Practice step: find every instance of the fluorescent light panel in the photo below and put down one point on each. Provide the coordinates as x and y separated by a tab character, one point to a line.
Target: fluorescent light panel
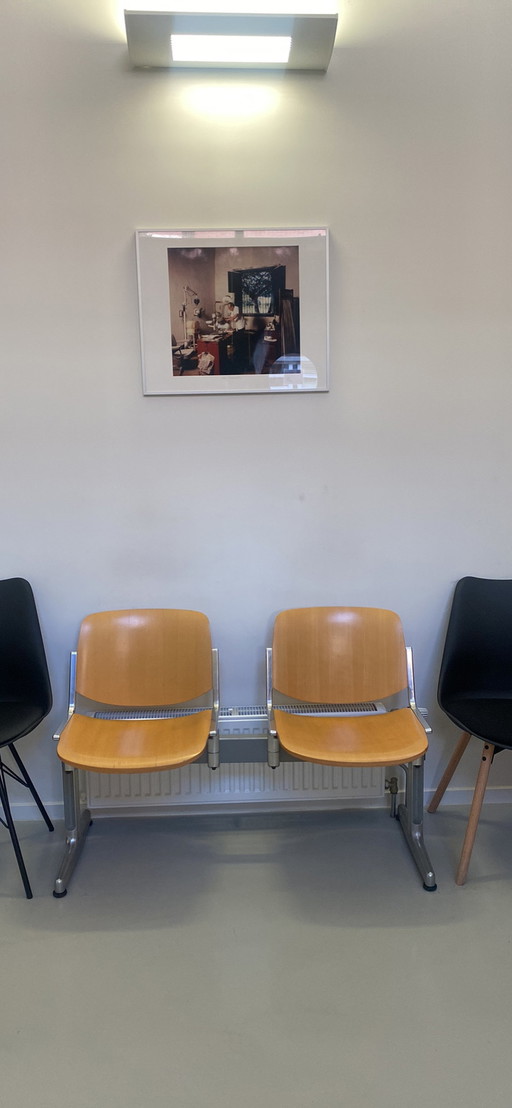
309	39
227	49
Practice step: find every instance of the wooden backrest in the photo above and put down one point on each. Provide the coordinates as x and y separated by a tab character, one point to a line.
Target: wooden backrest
145	656
338	655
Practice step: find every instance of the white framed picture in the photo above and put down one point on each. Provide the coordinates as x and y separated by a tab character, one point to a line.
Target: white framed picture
233	311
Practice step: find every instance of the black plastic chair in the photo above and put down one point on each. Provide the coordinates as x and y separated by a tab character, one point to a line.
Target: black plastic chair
475	686
25	694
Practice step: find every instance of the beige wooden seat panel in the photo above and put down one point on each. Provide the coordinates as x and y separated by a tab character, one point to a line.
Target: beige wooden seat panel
339	655
383	740
144	656
133	746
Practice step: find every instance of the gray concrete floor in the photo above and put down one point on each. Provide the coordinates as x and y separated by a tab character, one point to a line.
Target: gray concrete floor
279	961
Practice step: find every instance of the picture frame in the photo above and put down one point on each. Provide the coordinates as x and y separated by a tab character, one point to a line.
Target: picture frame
233	311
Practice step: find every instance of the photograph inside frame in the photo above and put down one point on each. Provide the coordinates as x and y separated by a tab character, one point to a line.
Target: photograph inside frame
234	310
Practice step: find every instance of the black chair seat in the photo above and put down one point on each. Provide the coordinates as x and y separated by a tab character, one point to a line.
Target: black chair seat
18	719
487	718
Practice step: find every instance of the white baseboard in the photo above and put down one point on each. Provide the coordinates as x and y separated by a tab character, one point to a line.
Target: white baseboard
453	797
237	807
456	797
24	810
494	794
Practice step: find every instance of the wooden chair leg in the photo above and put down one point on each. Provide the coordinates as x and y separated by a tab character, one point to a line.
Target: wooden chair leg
449	771
474	815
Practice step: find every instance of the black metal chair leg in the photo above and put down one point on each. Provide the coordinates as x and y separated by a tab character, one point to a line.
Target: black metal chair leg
4	799
30	785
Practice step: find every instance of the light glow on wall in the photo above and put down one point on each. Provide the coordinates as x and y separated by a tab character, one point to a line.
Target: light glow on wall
224	104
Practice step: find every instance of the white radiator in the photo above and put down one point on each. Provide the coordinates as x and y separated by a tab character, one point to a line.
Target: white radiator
235	785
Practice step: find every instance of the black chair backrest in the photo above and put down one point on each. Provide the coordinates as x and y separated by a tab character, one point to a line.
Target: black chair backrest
23	669
477	658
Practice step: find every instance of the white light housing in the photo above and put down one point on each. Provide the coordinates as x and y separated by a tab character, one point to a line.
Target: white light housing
229	41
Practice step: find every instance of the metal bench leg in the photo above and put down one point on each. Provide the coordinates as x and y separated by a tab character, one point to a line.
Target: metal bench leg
77	825
410	816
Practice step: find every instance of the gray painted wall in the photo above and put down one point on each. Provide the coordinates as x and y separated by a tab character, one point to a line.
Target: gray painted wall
383	491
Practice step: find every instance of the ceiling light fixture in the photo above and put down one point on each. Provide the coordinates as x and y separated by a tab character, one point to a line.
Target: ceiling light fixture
229	41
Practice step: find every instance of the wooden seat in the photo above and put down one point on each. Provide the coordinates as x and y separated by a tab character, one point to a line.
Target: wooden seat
340	691
143	698
134	746
386	740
